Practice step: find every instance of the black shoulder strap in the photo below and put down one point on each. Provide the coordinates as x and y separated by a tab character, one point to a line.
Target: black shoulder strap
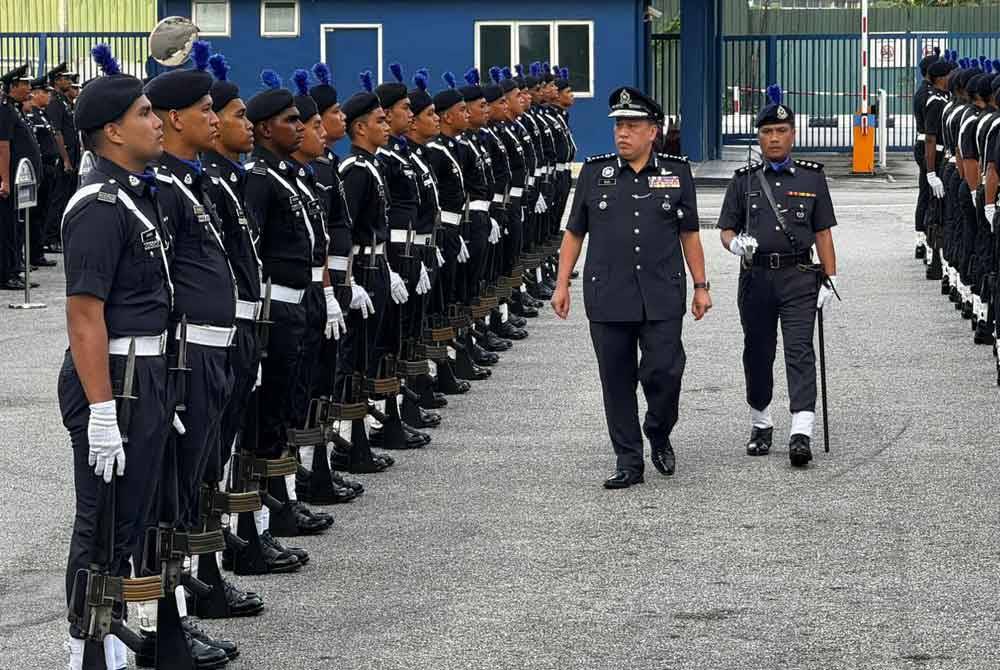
766	188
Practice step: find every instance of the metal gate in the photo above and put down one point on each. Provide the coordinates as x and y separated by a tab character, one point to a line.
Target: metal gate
43	51
666	71
819	74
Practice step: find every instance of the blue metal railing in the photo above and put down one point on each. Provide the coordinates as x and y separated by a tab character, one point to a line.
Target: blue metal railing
43	51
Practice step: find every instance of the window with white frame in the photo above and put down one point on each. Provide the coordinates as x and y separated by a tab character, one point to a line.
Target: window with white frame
568	44
211	17
279	18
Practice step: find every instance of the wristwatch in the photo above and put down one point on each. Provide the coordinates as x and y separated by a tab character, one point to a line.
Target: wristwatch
703	284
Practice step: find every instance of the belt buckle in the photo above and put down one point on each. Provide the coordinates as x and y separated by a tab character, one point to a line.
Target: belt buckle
774	261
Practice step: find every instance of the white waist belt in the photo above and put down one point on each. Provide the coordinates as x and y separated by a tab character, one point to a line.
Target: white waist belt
516	191
562	167
366	251
498	198
921	137
399	237
209	336
531	181
317	274
338	263
145	345
539	171
451	218
281	293
246	310
479	206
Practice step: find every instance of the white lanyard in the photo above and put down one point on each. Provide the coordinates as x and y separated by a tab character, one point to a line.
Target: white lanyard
305	214
242	221
199	207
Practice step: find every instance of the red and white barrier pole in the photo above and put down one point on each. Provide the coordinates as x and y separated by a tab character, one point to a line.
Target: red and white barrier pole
864	57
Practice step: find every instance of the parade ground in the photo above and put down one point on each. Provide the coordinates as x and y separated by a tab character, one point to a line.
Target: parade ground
496	547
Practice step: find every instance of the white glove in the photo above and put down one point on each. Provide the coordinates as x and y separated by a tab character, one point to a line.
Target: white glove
424	283
937	186
335	324
106	452
494	232
397	287
991	212
361	300
743	245
179	425
540	206
463	253
440	257
973	197
826	292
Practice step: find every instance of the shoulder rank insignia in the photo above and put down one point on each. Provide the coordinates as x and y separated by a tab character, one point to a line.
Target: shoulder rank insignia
751	168
809	165
108	193
259	168
673	157
601	157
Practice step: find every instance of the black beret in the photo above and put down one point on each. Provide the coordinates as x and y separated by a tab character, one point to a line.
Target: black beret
420	99
981	85
105	99
391	92
775	111
471	93
939	68
306	106
631	103
178	89
929	60
223	93
508	85
492	92
269	103
963	77
359	104
324	95
447	99
996	82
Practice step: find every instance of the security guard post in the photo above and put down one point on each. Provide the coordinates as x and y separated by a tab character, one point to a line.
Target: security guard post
634	280
204	310
118	299
772	215
926	186
17	141
60	114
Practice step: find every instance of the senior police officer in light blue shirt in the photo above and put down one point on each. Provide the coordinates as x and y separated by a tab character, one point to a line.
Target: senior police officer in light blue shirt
640	210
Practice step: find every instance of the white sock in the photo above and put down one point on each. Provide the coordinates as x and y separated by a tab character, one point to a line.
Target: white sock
109	652
75	654
290	487
486	319
147	616
262	519
121	655
761	418
802	423
538	274
181	597
921	239
503	313
306	457
194	564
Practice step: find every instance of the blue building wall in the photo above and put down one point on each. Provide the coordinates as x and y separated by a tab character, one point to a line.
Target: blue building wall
439	35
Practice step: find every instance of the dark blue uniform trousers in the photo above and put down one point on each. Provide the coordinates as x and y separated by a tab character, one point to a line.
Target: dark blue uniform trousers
766	297
244	361
659	370
279	376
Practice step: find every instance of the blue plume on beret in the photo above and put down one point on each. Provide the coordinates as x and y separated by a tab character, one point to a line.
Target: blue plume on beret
545	68
775	94
495	74
105	60
322	73
472	76
506	73
964	63
420	79
536	69
564	73
519	69
996	65
301	79
219	66
366	81
449	79
270	78
397	71
982	61
988	66
201	51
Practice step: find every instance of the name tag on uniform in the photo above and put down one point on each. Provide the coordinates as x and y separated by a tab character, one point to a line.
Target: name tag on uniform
150	240
294	202
672	181
242	221
800	194
605	181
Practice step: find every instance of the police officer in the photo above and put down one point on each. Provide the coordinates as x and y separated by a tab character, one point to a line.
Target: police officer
933	159
53	160
634	280
118	296
772	215
928	187
17	141
60	113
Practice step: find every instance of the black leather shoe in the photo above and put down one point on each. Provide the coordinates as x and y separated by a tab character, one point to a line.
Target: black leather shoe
522	309
204	656
490	342
427	419
760	441
920	252
340	480
483	358
43	263
798	451
508	331
622	479
192	628
241	603
275	562
448	383
516	321
324	518
15	284
662	456
269	540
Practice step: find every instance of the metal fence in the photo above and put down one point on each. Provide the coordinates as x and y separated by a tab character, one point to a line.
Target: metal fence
43	51
820	73
665	50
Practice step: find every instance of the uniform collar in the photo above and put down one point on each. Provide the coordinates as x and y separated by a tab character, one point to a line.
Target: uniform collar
285	165
226	166
787	165
137	184
398	143
189	172
652	164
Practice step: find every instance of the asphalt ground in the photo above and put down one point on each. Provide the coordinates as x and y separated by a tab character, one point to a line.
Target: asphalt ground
496	547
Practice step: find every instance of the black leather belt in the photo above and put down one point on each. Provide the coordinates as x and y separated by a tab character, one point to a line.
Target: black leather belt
779	261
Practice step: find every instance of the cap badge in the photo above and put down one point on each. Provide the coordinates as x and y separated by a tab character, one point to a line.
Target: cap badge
624	98
782	112
608	172
302	172
282	166
232	177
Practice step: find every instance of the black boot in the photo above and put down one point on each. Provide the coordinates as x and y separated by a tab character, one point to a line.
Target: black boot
760	441
414	415
507	330
465	367
192	628
255	557
798	451
449	383
271	541
355	456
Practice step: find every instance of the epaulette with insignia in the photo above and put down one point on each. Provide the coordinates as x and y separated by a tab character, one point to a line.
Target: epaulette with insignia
323	159
809	165
601	157
258	168
108	193
672	157
750	168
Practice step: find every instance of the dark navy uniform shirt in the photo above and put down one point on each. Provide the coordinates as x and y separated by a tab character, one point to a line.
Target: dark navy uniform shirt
204	287
60	113
16	129
505	130
113	255
800	192
44	134
367	197
968	147
476	169
919	104
275	203
446	162
498	160
338	223
401	181
429	209
635	265
934	114
239	234
313	197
